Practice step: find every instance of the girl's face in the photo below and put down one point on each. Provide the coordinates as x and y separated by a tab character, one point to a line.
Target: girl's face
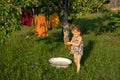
75	33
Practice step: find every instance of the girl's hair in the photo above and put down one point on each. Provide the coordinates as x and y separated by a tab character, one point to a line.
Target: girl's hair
76	27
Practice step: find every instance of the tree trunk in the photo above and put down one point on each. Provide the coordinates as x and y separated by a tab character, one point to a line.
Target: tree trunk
65	21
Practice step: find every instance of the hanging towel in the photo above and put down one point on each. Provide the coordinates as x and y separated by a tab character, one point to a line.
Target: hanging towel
27	17
41	26
54	20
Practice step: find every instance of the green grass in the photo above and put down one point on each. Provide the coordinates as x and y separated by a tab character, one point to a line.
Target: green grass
23	58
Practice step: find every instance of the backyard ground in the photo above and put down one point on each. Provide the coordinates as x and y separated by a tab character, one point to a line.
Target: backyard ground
25	56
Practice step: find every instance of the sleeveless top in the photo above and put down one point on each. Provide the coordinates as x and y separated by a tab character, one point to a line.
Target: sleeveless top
77	49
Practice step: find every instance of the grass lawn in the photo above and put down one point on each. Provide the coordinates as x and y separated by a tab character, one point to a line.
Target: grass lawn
25	56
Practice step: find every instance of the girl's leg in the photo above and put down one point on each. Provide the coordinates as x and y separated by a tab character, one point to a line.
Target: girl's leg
77	59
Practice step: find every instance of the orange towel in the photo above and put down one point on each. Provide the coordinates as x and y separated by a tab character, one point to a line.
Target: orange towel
41	24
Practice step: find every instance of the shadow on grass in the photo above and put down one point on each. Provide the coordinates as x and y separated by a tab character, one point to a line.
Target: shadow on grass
55	36
87	50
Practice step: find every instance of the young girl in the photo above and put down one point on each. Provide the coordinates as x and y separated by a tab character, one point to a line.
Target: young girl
76	45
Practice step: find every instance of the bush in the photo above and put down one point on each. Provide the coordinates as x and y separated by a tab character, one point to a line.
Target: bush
115	22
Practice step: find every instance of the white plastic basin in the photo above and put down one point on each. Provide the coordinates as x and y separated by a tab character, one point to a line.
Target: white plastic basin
60	62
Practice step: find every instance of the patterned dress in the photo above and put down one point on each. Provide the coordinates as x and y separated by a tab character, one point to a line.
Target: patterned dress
77	49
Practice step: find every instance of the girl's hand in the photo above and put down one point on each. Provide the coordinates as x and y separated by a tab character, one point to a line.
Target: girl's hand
68	43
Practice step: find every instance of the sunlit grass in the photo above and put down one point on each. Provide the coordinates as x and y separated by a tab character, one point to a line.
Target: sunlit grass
25	57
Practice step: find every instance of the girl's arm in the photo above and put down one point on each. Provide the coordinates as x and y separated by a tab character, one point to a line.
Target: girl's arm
76	44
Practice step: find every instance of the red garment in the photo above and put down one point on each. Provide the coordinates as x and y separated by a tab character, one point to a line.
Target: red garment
26	18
